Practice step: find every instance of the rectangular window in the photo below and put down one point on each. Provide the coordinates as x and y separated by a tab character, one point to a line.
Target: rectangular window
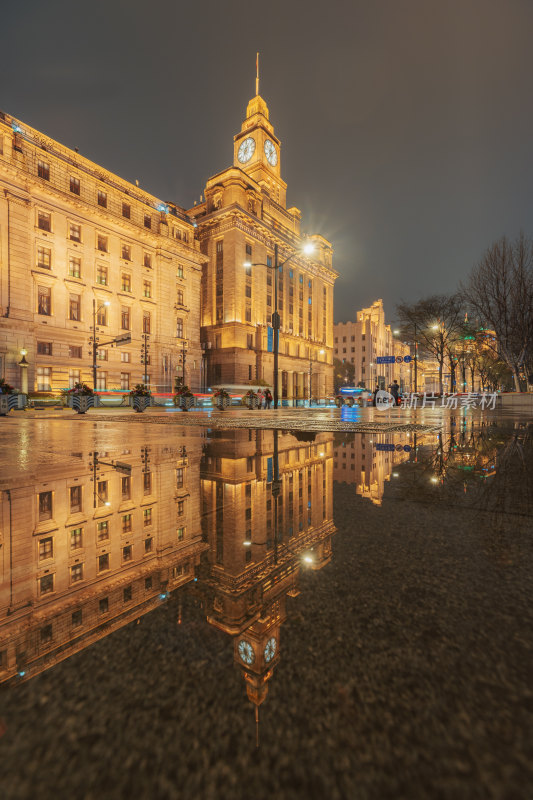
101	242
179	328
101	354
103	562
147	221
44	221
101	491
44	258
44	300
125	318
103	605
147	288
126	523
127	553
44	379
101	316
74	351
77	618
45	506
43	170
101	382
75	499
179	477
181	507
74	185
127	593
147	517
44	348
74	308
147	482
74	232
179	297
76	538
125	252
74	267
102	530
46	548
179	271
125	356
76	573
126	210
249	251
147	322
102	198
46	634
73	378
148	545
46	584
248	314
147	260
125	487
124	381
101	275
181	534
126	282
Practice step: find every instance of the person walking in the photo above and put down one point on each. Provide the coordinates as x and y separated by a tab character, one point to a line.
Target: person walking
395	391
268	399
375	395
259	398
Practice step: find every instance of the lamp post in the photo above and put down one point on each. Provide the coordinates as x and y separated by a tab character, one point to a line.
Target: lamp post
23	364
96	310
308	248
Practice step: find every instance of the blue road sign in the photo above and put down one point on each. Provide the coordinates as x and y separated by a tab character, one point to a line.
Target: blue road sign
270	339
385	360
407	359
388	448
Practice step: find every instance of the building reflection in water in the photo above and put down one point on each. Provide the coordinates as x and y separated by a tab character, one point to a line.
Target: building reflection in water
97	543
92	546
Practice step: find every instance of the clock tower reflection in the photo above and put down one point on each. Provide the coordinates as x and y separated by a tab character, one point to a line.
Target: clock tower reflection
267	510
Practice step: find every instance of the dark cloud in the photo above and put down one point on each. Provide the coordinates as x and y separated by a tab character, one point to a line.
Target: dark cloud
405	124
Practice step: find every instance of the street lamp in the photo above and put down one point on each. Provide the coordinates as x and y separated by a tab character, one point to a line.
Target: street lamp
96	310
308	248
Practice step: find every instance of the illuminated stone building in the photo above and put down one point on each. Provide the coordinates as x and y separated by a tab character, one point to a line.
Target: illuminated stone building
368	462
95	542
80	245
242	217
360	343
255	554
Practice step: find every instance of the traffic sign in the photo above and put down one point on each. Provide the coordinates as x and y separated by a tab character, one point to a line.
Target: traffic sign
385	360
407	359
399	359
124	339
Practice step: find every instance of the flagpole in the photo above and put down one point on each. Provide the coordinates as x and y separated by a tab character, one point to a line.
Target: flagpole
257	74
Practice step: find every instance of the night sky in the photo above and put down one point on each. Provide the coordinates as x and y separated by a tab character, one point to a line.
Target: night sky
406	125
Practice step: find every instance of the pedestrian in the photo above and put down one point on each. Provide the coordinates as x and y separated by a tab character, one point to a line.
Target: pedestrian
375	395
259	398
268	399
395	391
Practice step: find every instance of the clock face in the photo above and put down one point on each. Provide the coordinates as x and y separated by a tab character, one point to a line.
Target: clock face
246	150
271	153
246	652
270	650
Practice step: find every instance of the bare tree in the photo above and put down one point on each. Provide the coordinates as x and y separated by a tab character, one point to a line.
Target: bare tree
435	324
500	293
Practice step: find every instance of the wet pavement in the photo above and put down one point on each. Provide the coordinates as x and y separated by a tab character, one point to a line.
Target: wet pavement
189	610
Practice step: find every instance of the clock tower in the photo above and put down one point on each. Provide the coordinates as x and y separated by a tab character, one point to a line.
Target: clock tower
257	150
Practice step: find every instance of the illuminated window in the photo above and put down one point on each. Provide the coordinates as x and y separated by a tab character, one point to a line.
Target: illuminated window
147	482
147	322
101	242
102	198
179	477
76	573
74	232
74	267
74	307
44	258
101	275
44	379
181	534
147	517
103	562
44	348
125	321
179	271
76	538
74	185
126	282
125	252
75	499
179	328
147	260
102	530
124	381
101	316
125	356
126	523
46	548
147	288
127	553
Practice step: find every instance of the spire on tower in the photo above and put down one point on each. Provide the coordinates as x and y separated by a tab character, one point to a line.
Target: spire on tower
257	74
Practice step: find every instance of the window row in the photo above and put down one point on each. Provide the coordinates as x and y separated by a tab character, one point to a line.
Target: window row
43	379
44	308
75	499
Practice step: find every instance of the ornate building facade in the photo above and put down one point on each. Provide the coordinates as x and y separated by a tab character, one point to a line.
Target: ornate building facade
360	343
82	249
242	220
